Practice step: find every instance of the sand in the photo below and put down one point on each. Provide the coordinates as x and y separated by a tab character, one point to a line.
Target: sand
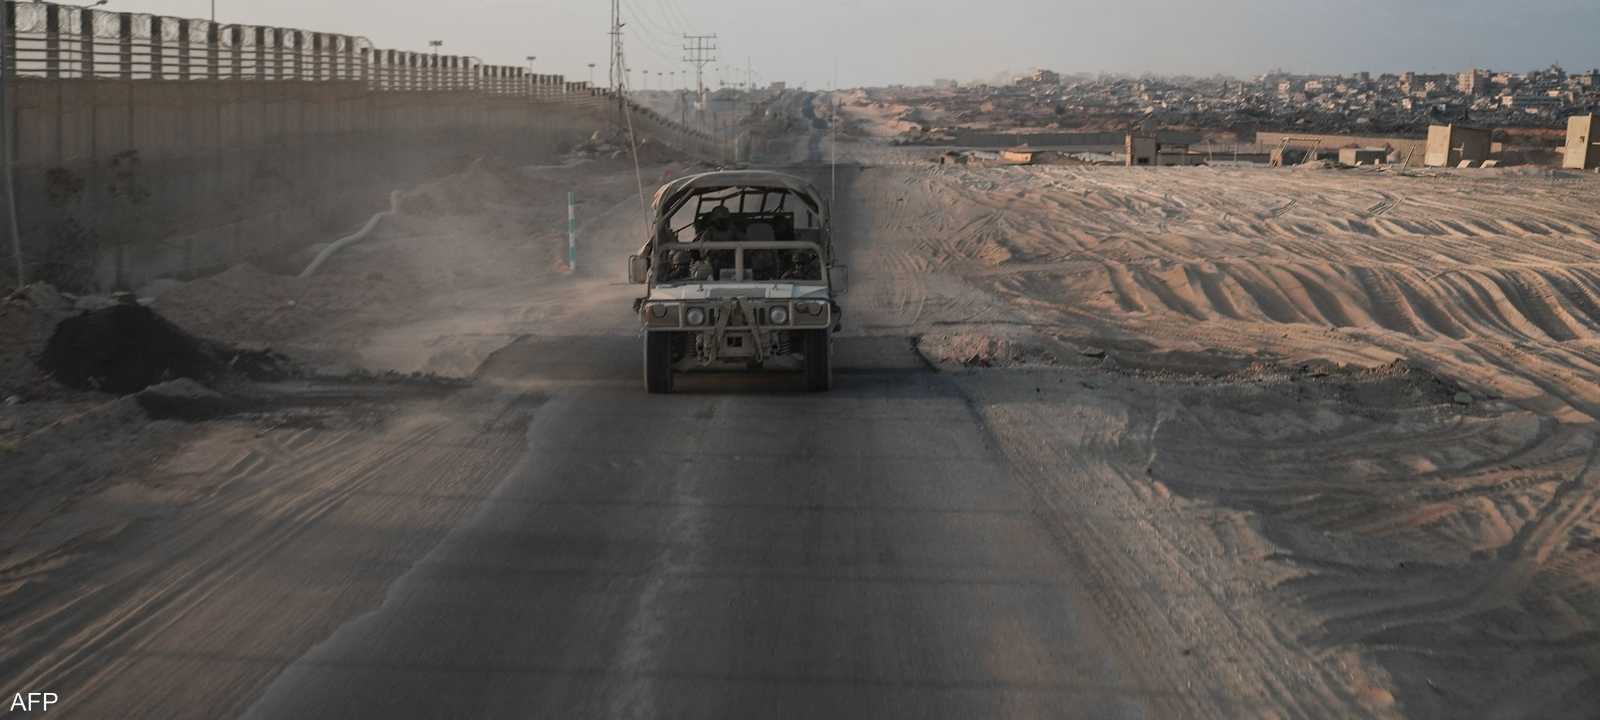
435	288
1212	352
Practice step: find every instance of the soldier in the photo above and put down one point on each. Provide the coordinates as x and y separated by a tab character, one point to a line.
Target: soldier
700	270
719	226
679	265
802	265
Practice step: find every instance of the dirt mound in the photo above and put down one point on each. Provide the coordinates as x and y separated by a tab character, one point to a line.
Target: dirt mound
124	349
185	399
127	348
655	153
464	193
243	304
983	350
27	318
616	145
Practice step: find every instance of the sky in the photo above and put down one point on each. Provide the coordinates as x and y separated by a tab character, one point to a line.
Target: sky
914	41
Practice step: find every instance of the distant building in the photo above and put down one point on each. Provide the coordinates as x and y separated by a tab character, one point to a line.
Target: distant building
1533	103
779	86
1041	77
1424	85
1449	145
1583	148
945	83
1141	150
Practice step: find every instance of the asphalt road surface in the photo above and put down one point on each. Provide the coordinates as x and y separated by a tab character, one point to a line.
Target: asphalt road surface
740	549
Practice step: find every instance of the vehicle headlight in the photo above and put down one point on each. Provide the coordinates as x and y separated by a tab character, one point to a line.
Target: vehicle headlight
695	316
778	315
661	315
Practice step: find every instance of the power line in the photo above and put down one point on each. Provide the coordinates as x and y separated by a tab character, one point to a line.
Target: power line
700	50
664	26
652	33
673	9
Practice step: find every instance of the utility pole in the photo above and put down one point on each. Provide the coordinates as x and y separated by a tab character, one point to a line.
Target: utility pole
700	51
619	77
619	84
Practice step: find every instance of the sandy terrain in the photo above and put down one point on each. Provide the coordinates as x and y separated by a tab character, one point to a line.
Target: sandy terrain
1436	515
869	114
453	277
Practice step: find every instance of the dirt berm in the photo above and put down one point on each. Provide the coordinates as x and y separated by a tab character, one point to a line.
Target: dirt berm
126	348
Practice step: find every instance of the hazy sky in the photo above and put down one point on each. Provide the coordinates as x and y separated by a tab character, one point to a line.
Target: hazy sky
913	41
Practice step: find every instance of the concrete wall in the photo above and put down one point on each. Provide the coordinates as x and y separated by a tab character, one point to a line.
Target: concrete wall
1141	150
148	146
1583	148
119	181
1448	145
967	138
1399	147
689	141
1362	156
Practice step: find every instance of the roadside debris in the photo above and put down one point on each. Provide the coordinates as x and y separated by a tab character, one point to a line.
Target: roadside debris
128	347
185	399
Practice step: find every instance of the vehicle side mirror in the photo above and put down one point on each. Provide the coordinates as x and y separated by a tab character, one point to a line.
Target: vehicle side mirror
638	269
839	279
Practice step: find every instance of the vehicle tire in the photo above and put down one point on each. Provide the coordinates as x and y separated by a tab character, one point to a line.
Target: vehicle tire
819	361
658	362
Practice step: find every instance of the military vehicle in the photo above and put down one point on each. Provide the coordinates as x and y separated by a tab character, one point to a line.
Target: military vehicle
740	275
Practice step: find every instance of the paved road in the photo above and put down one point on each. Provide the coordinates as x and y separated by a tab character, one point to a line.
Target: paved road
739	549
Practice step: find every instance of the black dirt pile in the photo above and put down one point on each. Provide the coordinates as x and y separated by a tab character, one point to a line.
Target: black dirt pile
126	348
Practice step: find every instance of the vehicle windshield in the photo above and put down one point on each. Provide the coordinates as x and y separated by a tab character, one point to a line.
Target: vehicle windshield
742	214
720	262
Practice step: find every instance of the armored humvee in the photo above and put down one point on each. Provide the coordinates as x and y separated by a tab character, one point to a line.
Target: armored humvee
740	274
